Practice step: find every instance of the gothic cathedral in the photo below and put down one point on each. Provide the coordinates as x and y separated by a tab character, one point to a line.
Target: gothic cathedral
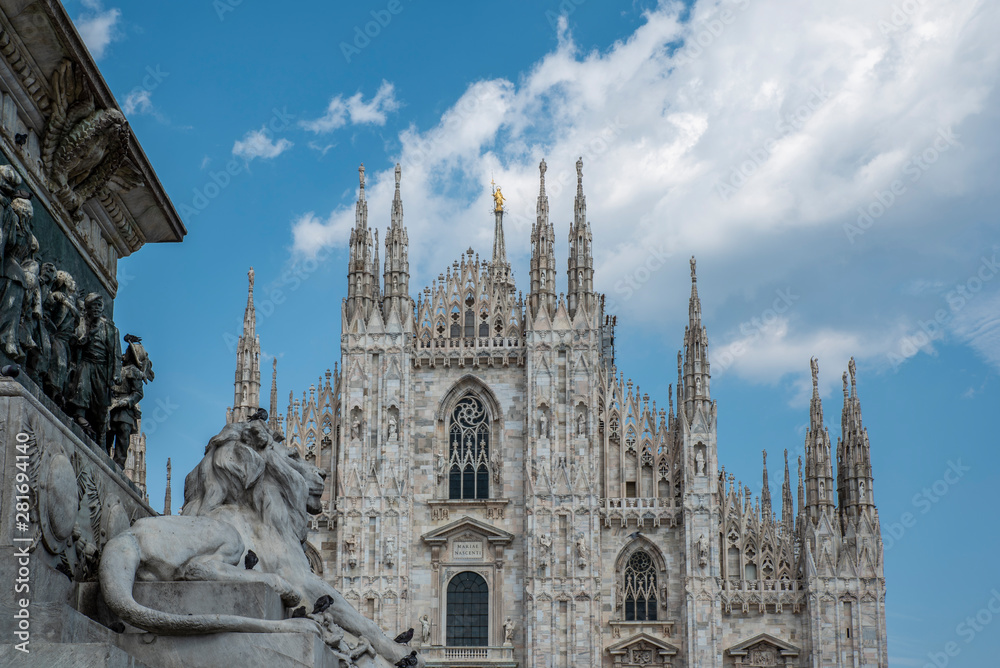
496	484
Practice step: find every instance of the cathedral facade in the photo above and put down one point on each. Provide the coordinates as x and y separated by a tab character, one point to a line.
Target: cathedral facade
497	484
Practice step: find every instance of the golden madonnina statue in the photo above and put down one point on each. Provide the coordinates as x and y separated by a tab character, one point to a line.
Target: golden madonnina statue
498	198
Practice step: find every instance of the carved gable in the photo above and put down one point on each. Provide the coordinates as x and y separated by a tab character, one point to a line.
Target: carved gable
642	650
764	650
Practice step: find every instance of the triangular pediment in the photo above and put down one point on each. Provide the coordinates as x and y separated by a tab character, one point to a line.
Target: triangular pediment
623	646
766	639
468	524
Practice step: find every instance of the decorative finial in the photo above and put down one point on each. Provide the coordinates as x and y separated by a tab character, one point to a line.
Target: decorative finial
694	277
765	458
250	275
814	365
579	176
399	172
852	369
361	177
541	171
845	383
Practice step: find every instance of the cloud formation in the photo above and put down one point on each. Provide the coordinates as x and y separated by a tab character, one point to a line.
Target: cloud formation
259	144
98	27
355	110
757	146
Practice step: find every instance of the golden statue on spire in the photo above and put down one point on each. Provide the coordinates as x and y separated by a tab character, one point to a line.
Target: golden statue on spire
497	197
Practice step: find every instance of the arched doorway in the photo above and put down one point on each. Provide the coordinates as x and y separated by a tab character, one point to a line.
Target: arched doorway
468	611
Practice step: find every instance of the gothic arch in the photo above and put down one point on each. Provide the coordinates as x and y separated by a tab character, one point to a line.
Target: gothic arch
640	542
475	385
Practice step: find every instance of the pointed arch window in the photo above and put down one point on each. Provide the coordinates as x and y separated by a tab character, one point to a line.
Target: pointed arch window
640	588
469	448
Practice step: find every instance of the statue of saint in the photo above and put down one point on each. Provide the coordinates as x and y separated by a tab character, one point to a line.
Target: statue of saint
508	630
425	629
543	426
581	425
699	462
392	428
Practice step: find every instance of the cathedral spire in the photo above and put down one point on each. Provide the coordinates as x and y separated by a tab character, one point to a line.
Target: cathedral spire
581	257
819	465
499	266
697	375
854	465
360	272
397	265
543	261
166	494
765	494
376	288
246	385
787	504
274	420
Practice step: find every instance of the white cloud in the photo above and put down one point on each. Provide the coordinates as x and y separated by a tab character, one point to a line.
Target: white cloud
258	144
98	27
356	110
806	123
138	101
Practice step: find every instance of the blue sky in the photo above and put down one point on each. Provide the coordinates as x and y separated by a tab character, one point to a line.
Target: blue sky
833	167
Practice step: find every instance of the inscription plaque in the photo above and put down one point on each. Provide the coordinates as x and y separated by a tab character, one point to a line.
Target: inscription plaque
467	550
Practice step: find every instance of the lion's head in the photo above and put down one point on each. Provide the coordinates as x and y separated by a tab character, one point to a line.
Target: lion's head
244	466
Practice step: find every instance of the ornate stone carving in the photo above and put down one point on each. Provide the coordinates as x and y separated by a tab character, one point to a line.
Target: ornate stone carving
84	148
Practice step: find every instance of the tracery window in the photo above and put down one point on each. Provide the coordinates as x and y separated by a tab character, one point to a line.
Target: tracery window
469	448
468	611
640	588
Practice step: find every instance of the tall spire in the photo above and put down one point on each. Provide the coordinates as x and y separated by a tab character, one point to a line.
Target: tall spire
166	494
274	420
787	503
697	376
765	494
360	273
499	266
819	464
581	256
376	288
246	386
397	265
543	260
854	465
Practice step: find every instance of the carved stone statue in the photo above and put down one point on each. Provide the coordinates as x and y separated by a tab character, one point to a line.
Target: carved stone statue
702	550
392	428
16	242
60	318
248	492
581	425
389	555
543	426
442	467
356	428
34	339
351	545
582	551
619	596
544	545
425	629
699	462
124	411
99	366
508	630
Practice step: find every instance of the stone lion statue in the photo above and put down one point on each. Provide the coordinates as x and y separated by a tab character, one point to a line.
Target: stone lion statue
249	492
